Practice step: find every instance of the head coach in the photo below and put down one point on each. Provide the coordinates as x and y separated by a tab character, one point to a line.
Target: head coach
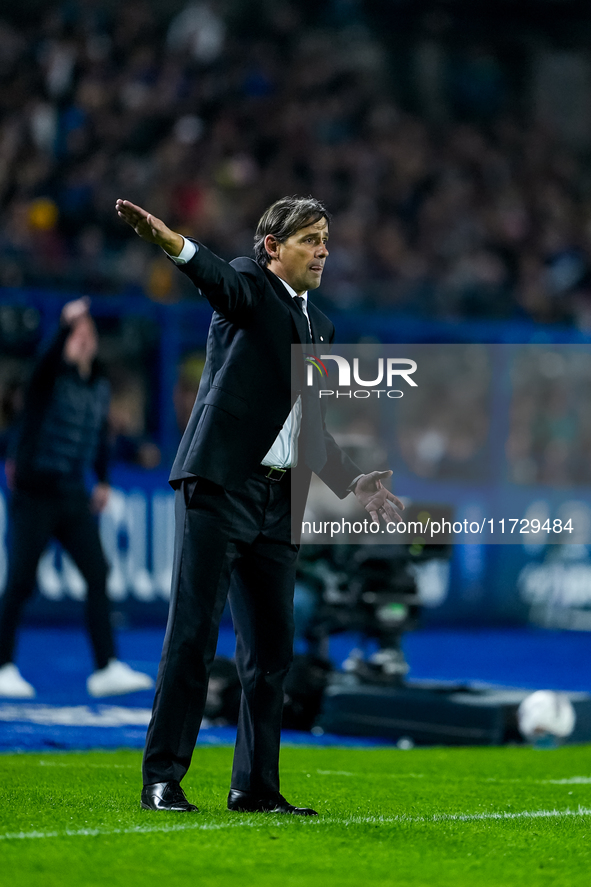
250	429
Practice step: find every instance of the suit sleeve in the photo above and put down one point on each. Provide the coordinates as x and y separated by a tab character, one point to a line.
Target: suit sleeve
339	470
228	291
37	395
47	366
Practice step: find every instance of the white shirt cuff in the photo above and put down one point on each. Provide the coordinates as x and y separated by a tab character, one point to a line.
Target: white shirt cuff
186	254
351	486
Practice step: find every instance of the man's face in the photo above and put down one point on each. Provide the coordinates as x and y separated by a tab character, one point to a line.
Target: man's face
300	259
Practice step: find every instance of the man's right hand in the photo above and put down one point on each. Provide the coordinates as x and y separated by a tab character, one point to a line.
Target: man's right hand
149	228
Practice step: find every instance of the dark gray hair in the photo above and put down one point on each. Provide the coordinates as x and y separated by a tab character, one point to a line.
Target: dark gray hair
283	218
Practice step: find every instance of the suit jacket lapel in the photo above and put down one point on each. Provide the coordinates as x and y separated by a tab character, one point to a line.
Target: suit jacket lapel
321	327
297	317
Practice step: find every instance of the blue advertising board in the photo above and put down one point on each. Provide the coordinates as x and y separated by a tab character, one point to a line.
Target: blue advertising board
471	584
476	584
137	532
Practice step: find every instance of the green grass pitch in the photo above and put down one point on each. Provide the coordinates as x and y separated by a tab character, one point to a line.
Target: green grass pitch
487	816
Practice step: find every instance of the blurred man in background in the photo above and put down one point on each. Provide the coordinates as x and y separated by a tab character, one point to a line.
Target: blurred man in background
61	435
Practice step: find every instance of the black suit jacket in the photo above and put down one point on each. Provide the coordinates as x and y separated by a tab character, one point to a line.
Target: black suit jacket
246	391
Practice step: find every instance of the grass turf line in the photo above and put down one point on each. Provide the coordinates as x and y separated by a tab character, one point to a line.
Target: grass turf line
437	817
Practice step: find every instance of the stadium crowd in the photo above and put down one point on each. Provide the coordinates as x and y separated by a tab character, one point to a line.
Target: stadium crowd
207	123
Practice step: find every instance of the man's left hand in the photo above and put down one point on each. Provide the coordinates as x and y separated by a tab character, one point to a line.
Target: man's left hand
376	499
99	498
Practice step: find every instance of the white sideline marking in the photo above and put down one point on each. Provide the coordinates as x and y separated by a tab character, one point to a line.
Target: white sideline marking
354	820
133	830
75	715
364	775
574	780
85	765
474	817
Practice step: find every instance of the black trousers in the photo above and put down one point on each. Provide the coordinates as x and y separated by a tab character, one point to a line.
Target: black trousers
35	519
236	543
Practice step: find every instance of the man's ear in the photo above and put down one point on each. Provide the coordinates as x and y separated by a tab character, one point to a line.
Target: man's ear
272	246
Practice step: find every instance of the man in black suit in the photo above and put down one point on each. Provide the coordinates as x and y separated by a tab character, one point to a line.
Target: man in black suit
252	442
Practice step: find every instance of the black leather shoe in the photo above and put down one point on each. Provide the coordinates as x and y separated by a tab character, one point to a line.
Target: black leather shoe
244	802
166	796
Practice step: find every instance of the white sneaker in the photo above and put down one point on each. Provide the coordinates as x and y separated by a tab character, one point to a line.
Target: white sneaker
13	684
117	678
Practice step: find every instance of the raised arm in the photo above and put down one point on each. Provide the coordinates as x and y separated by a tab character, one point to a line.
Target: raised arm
226	290
48	364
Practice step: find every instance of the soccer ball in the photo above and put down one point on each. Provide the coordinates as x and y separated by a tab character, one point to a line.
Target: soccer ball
546	713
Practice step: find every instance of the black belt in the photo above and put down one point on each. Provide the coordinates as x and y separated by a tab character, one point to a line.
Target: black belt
273	474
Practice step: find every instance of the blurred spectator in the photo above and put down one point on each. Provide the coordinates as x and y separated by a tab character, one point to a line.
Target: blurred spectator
207	119
127	411
550	431
198	29
186	388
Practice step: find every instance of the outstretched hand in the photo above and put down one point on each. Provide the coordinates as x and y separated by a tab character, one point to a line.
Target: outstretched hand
376	499
149	228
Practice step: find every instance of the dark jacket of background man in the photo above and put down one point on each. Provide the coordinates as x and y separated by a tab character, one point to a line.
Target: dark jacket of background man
62	432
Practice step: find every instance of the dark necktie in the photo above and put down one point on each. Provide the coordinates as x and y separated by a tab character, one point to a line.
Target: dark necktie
311	434
299	300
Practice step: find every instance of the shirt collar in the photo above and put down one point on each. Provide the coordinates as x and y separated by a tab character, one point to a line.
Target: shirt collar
291	290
